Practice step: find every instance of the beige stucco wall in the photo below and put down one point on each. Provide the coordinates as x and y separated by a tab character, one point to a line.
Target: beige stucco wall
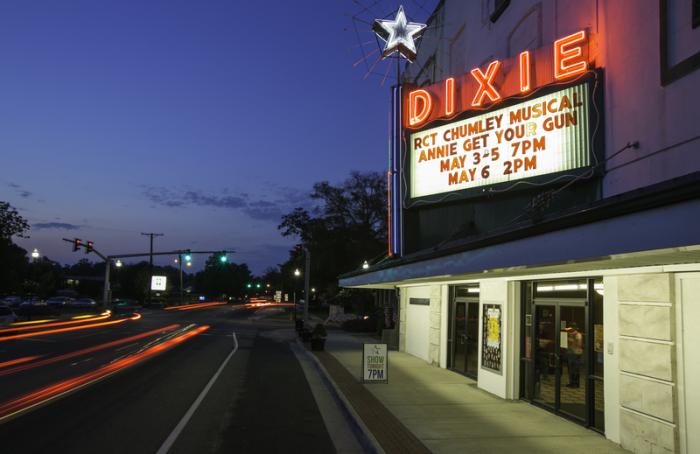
648	419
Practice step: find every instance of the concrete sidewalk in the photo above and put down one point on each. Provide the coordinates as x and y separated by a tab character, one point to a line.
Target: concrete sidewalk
428	407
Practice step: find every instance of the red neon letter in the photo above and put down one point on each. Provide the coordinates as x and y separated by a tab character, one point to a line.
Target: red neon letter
525	71
449	97
486	87
567	56
417	116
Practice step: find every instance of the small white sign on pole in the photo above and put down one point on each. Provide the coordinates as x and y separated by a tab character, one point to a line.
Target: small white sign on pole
278	296
375	363
158	283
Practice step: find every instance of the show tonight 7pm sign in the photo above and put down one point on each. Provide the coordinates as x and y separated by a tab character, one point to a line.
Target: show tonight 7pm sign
543	135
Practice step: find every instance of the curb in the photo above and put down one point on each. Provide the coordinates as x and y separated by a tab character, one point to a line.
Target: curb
362	433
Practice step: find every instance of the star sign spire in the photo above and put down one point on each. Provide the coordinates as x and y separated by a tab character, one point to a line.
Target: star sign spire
399	35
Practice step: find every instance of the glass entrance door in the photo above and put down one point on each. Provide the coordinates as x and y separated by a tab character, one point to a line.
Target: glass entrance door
572	341
459	353
465	338
562	348
546	358
560	366
472	341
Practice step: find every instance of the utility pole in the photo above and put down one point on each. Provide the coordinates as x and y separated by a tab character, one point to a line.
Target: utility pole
151	235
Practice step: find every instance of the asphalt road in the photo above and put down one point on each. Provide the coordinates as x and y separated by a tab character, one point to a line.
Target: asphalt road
228	388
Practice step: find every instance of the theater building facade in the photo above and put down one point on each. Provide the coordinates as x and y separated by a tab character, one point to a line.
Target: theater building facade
545	209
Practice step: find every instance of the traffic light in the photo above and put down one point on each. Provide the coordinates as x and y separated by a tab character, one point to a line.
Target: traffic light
249	285
257	285
90	247
76	244
188	256
223	258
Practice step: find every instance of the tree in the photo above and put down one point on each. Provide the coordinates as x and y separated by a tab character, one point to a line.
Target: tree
43	277
11	223
347	226
13	267
219	278
13	259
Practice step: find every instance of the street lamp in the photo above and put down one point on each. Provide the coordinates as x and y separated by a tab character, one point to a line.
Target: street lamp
118	264
365	265
297	273
35	254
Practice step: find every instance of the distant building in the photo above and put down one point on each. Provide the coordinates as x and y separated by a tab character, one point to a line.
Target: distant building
547	239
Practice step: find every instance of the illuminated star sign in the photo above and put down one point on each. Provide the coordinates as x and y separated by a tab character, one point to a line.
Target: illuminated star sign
399	35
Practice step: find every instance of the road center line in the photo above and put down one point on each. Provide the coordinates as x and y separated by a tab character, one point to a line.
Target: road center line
168	443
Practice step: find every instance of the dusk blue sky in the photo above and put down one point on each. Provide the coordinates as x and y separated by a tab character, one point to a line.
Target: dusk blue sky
203	120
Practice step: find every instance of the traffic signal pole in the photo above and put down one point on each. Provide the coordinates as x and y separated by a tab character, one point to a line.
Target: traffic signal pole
106	289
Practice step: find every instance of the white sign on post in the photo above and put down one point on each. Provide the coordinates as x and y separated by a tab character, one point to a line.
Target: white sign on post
278	296
375	363
158	283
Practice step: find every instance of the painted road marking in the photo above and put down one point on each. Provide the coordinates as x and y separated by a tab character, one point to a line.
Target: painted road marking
47	394
125	347
168	443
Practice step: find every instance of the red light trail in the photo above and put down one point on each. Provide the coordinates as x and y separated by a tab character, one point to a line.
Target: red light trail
188	307
65	330
12	362
47	325
43	395
55	359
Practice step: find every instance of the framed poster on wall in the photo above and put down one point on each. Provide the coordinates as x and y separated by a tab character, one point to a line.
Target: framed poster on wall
491	346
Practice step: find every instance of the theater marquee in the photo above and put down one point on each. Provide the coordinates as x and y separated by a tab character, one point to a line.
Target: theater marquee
544	135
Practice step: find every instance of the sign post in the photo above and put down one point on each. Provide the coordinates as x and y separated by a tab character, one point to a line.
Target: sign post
375	363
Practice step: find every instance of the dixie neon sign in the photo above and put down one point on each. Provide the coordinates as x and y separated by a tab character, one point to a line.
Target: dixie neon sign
483	87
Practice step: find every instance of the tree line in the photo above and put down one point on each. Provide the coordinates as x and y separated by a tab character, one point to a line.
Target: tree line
342	226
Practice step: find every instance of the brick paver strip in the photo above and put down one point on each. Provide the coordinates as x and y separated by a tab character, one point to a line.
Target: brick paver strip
391	434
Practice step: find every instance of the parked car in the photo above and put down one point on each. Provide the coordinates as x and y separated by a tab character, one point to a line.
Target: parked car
12	301
124	306
7	316
58	302
83	303
32	301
